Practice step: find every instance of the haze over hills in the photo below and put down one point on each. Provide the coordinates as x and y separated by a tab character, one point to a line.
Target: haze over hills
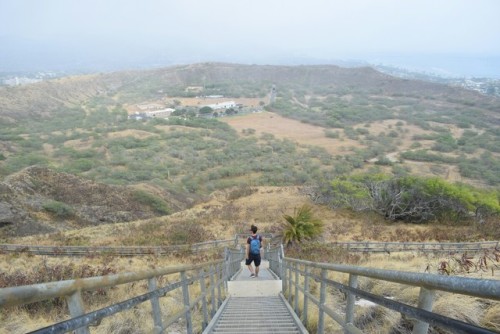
77	89
456	38
23	56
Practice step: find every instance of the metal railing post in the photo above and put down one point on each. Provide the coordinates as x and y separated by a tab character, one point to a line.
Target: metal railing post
425	301
284	278
290	268
306	291
296	304
281	254
155	306
212	289
227	267
76	309
322	300
203	289
219	283
187	305
351	299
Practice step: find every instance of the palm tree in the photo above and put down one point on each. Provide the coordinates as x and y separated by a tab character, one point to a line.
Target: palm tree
301	226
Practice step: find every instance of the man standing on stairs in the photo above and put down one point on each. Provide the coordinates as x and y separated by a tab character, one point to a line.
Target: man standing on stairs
253	248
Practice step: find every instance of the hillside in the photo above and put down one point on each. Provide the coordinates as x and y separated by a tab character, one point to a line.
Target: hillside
42	98
231	211
38	200
326	122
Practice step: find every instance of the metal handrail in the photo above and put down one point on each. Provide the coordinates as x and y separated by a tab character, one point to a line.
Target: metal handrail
218	273
291	271
377	246
353	246
119	250
288	269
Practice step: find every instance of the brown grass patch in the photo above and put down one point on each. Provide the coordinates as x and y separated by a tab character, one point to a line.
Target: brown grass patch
281	127
27	318
491	318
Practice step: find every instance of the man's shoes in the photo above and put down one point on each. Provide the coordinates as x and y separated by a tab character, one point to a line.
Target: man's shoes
252	275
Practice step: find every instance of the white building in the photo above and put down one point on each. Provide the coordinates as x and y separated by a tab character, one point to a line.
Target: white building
222	105
149	106
163	113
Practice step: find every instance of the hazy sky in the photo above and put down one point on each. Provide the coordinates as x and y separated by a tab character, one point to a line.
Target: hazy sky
251	31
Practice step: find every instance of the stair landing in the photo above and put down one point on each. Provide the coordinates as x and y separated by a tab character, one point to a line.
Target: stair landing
243	285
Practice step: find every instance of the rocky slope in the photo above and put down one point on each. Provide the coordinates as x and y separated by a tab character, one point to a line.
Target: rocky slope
39	200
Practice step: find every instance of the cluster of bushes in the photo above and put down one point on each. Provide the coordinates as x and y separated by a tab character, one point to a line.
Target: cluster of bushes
201	156
485	167
411	198
213	156
425	155
334	110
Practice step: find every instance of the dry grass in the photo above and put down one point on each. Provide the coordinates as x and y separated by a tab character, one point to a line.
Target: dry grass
378	320
137	320
22	322
465	308
375	319
296	131
229	212
491	317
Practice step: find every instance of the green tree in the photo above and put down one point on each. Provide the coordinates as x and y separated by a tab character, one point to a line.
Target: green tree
205	110
301	226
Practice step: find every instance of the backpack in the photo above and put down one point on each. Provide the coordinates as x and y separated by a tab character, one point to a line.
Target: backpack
255	245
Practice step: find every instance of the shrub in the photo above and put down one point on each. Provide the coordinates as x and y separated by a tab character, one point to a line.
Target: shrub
239	192
332	134
383	161
445	143
80	165
393	134
18	162
412	199
188	233
59	209
158	204
301	226
362	131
